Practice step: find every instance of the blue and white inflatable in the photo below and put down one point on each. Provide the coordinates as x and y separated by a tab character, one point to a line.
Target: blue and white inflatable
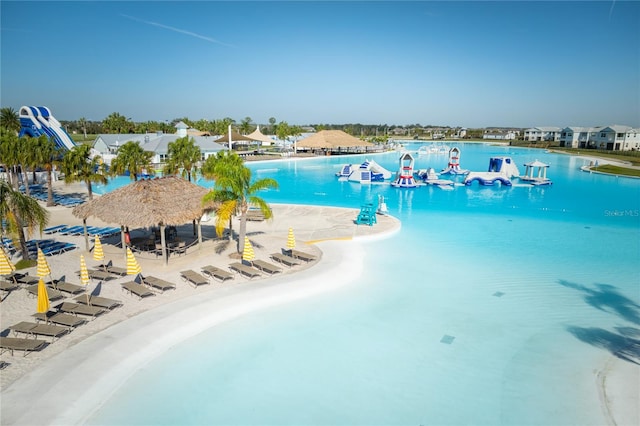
37	121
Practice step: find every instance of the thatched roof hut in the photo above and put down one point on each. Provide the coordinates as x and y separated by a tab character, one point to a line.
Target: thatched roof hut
162	201
332	139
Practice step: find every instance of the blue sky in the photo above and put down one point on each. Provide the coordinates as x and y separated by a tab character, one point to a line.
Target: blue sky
471	64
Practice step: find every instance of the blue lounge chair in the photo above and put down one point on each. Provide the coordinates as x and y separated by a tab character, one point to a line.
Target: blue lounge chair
54	229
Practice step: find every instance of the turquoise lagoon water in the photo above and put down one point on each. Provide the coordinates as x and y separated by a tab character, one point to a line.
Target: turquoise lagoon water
492	305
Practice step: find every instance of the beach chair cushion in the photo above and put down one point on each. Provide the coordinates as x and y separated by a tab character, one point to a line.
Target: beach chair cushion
60	318
267	267
284	259
137	289
12	344
35	329
217	273
307	257
158	283
193	278
68	287
247	271
101	302
79	309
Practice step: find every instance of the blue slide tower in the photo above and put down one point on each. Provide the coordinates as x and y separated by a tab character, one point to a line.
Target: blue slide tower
37	121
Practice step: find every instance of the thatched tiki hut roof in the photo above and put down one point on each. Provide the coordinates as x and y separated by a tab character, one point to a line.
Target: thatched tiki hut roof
163	201
332	139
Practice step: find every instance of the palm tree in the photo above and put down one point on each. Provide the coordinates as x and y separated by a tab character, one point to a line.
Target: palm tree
9	155
183	154
47	155
20	211
9	120
26	155
235	191
245	125
131	157
78	166
82	122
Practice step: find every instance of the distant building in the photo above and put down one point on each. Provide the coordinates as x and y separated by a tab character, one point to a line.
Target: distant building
158	143
610	138
503	136
540	134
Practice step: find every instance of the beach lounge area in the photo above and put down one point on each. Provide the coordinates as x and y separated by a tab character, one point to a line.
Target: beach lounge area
122	315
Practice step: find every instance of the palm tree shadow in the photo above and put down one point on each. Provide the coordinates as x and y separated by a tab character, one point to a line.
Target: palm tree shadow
620	345
606	298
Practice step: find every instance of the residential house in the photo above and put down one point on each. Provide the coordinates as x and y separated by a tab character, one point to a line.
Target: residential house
503	136
158	143
617	138
546	134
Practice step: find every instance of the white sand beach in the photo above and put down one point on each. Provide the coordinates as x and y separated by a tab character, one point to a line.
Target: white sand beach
122	341
143	329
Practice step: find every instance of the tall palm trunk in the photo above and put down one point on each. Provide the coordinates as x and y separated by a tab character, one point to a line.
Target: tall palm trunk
25	178
49	188
89	189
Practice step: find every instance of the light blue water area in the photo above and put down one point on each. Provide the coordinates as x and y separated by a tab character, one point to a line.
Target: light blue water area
491	306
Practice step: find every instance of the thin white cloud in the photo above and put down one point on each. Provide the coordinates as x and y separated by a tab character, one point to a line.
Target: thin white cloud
177	30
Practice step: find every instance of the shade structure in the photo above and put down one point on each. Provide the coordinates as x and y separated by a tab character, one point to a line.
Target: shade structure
291	239
133	267
6	267
247	251
98	254
43	266
43	297
165	201
332	139
84	273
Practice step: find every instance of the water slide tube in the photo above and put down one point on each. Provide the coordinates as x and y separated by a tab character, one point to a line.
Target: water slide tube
37	121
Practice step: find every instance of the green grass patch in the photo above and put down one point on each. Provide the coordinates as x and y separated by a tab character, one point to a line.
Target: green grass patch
26	263
616	170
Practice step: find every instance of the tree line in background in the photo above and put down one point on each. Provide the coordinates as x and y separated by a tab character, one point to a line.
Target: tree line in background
117	123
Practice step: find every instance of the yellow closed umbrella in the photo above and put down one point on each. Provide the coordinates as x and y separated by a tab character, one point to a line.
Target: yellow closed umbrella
98	254
6	267
84	272
291	239
133	267
43	266
84	275
247	252
43	297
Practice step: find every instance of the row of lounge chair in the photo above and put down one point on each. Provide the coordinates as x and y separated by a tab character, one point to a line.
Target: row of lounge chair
145	286
63	319
103	232
49	247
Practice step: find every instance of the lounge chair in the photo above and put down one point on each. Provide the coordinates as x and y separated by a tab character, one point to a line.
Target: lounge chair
193	278
14	276
33	329
217	273
54	229
60	318
8	286
307	257
97	275
115	270
284	259
78	309
158	283
27	279
51	292
267	267
101	302
12	344
248	271
68	287
138	289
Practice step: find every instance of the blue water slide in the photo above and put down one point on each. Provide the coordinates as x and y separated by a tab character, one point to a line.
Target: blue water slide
37	121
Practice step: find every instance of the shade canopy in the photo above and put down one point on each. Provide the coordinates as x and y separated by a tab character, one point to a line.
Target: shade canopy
235	137
168	200
257	135
332	139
